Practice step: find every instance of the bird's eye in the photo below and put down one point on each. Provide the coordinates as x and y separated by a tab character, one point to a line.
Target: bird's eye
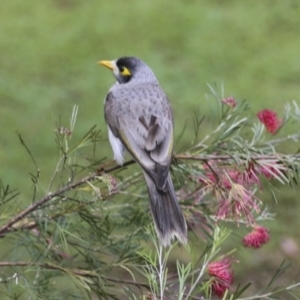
124	71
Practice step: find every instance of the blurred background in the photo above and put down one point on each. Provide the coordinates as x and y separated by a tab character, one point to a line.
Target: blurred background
49	53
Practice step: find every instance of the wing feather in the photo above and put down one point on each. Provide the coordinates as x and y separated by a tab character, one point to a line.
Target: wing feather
141	117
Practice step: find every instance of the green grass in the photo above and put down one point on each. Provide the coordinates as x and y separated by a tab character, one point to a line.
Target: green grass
49	51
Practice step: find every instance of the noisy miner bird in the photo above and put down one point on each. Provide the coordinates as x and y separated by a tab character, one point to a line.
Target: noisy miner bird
140	120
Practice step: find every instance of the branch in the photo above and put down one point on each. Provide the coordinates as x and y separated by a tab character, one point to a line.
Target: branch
6	227
78	272
228	157
128	282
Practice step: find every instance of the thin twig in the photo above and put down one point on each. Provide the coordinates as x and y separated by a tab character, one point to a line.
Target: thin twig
229	157
79	272
6	227
128	282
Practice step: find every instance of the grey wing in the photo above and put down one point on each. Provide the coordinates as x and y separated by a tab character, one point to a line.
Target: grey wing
142	118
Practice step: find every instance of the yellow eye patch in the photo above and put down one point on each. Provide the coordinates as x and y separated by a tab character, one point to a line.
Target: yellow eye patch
124	71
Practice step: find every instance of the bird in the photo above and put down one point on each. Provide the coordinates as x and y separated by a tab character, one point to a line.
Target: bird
140	120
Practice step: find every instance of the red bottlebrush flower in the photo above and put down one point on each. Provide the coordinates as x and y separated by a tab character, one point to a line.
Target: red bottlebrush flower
225	178
257	237
270	120
229	177
222	276
230	101
239	202
270	172
249	177
218	288
234	191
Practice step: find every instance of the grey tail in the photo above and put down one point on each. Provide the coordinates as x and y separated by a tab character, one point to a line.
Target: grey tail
167	214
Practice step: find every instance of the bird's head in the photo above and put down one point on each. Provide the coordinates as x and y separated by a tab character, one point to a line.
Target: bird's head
128	69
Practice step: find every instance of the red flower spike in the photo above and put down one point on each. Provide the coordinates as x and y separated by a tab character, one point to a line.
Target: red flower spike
270	120
218	289
222	276
230	101
234	190
268	172
257	237
239	202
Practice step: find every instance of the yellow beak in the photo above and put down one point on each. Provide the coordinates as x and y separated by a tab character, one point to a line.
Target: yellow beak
106	63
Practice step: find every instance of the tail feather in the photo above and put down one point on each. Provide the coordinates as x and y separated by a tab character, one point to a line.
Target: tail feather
167	214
